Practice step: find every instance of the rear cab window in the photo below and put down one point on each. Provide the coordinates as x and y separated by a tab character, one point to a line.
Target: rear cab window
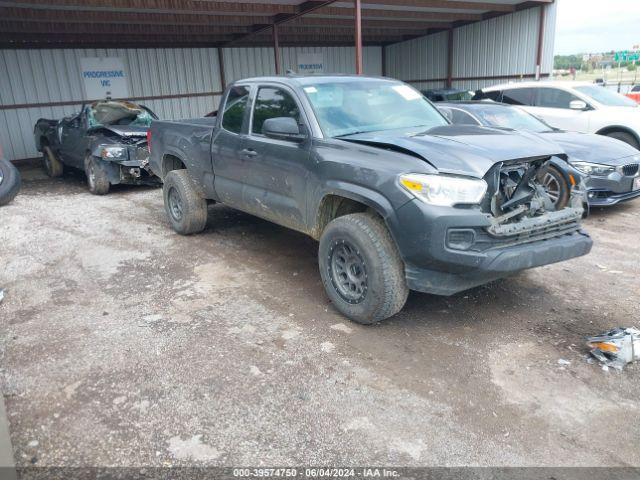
235	108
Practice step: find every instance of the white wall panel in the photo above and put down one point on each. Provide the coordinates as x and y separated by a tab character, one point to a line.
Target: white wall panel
505	45
50	76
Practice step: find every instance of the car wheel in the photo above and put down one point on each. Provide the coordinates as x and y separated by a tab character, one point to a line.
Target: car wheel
97	179
625	137
9	181
556	187
186	209
361	268
52	164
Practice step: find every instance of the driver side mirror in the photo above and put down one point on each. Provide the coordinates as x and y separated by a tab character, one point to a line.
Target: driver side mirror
283	128
578	105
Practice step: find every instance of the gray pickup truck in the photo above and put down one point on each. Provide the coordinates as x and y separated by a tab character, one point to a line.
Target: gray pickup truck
398	198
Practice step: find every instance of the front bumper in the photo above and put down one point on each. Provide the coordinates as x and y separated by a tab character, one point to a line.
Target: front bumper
432	266
610	190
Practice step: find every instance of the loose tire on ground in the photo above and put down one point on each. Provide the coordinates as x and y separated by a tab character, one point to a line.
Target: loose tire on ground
556	186
361	268
97	178
625	137
10	181
52	164
185	207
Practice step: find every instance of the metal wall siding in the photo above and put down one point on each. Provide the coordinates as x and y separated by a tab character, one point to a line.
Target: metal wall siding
47	76
505	45
421	58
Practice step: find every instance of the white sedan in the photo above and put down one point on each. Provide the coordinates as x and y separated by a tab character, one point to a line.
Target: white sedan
574	106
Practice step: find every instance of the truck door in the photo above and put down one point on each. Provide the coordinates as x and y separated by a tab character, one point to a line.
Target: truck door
274	170
72	140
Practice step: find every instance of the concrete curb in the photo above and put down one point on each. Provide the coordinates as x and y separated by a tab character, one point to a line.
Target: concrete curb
7	466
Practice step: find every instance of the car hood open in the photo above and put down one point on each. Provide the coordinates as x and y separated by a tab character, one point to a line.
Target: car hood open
462	149
589	147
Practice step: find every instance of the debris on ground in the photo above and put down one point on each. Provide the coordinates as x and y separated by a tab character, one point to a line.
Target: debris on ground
617	347
1	294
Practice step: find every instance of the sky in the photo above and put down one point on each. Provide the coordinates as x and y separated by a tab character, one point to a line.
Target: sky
591	26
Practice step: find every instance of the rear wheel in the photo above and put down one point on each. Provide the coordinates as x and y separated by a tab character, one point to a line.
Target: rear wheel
361	268
556	187
625	137
97	178
9	181
52	164
186	209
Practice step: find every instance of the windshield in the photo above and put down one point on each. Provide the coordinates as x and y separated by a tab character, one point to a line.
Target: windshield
605	96
511	117
118	113
346	108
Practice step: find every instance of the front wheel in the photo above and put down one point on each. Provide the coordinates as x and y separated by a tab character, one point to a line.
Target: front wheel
361	268
556	187
52	164
97	178
186	209
9	181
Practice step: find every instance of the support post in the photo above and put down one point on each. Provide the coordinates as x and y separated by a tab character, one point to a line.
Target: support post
223	81
358	19
450	58
540	42
383	50
276	49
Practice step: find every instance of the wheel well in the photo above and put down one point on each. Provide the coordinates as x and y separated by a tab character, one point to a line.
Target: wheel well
334	206
171	162
608	130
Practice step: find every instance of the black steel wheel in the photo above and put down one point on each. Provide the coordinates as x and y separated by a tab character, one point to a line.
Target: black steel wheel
348	271
361	268
185	207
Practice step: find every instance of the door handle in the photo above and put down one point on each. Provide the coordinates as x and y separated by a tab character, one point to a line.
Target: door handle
249	152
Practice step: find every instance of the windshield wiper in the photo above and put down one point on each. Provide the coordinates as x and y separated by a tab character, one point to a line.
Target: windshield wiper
356	132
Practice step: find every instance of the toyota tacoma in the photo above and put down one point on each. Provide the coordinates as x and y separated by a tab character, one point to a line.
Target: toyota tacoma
398	198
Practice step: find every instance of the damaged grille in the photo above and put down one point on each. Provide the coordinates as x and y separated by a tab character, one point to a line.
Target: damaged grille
630	170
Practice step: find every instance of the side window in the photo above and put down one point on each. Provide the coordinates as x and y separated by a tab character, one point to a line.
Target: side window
235	108
518	96
554	98
273	102
458	117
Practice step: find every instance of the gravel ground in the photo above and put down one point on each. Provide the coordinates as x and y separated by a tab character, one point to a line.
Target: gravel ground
125	344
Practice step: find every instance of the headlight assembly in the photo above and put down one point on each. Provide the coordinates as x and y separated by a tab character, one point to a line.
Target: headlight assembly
113	153
595	169
444	190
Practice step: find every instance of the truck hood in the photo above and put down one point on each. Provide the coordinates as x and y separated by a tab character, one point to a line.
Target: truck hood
462	149
127	130
589	147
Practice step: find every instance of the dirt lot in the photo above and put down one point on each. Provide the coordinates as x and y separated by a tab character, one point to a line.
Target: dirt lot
124	344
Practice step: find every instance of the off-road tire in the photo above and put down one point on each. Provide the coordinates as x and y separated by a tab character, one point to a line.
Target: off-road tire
626	138
385	289
52	164
97	179
10	183
563	189
185	207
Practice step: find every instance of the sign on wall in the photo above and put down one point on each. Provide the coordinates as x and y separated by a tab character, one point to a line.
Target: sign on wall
309	63
104	77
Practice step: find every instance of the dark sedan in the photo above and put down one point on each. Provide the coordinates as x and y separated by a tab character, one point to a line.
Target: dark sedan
611	166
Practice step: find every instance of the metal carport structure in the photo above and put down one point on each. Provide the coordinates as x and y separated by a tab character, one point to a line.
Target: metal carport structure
181	53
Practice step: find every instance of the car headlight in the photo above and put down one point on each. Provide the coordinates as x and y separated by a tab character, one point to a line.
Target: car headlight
444	190
596	169
113	152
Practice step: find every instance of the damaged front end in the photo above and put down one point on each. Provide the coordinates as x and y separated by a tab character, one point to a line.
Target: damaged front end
126	160
519	208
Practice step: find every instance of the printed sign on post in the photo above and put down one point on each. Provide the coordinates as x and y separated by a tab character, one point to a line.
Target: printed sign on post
309	63
104	78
